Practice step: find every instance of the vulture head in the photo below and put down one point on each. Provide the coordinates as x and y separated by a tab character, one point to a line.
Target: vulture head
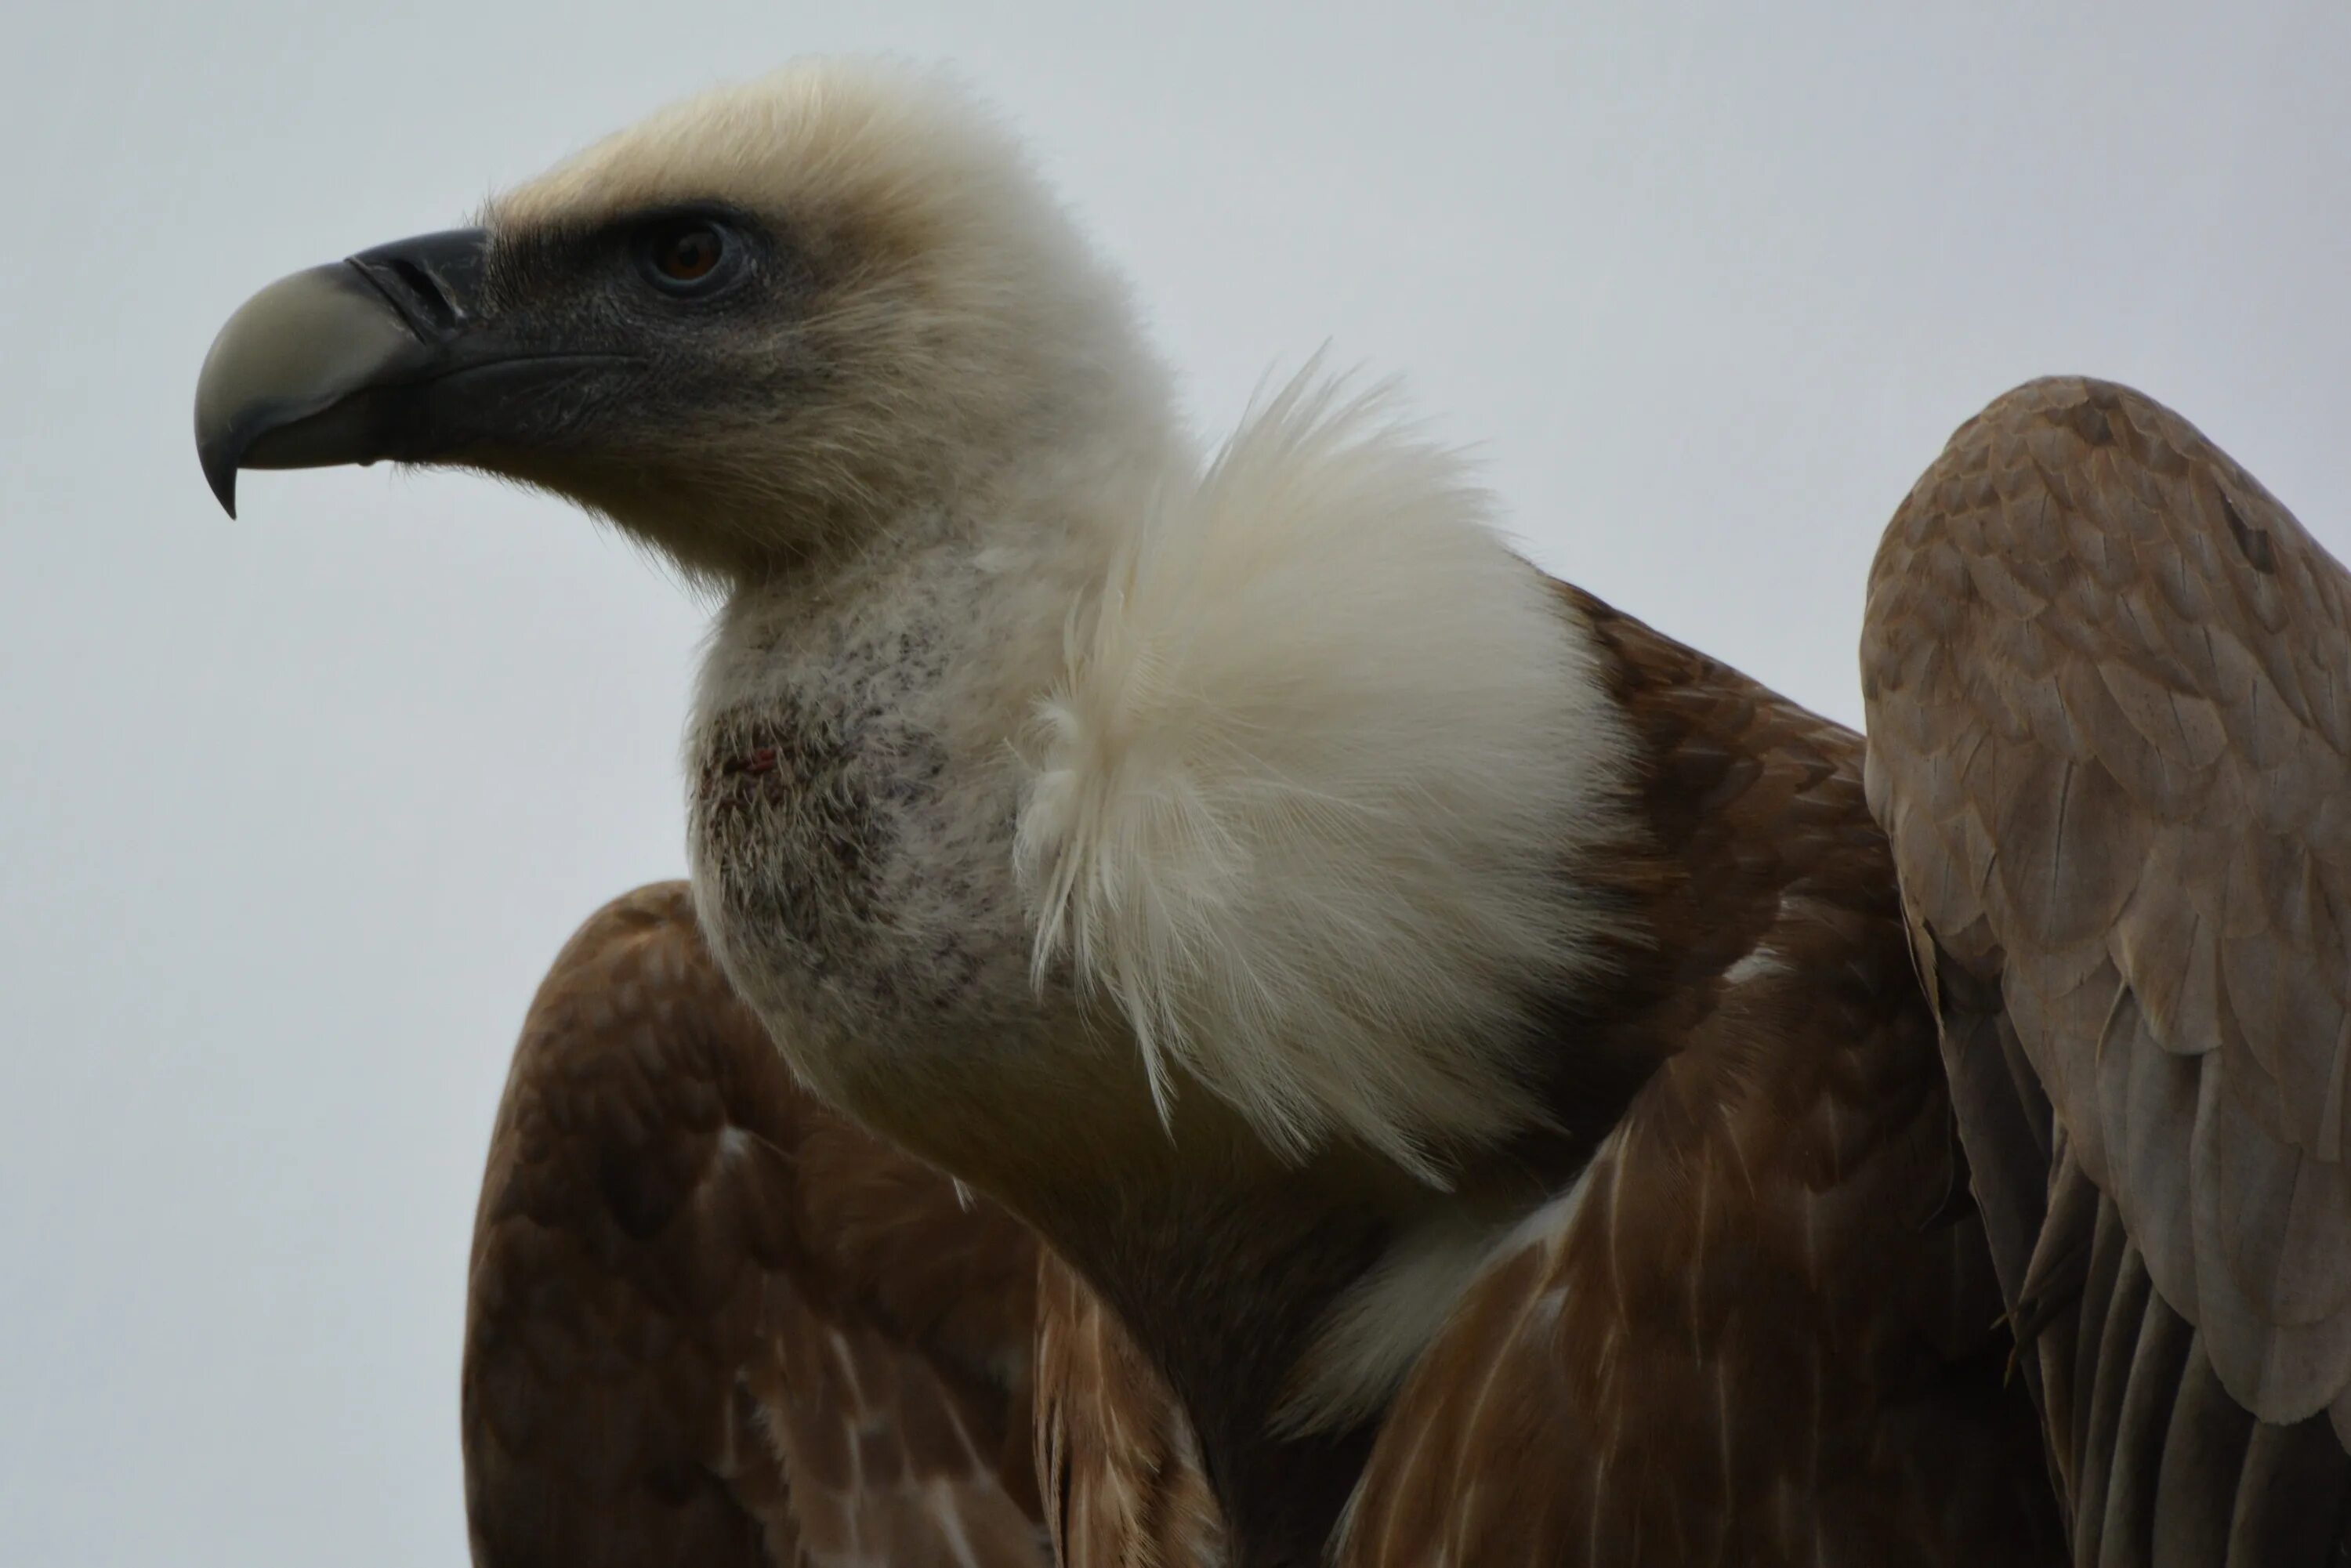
748	329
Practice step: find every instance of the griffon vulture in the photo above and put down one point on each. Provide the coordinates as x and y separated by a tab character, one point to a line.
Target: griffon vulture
1497	1085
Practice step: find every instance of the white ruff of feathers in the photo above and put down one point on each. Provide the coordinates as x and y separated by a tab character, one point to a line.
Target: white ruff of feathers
1310	790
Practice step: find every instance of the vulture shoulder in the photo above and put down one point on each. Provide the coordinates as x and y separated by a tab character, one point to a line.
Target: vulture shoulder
2108	683
1761	1327
710	1321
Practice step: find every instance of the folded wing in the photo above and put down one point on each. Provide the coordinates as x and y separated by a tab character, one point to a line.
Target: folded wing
713	1324
2108	680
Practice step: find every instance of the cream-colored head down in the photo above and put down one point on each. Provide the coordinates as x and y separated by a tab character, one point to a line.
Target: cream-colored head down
1303	780
936	320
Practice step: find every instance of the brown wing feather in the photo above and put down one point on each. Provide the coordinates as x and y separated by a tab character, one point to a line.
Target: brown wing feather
2108	680
1755	1332
712	1324
1118	1462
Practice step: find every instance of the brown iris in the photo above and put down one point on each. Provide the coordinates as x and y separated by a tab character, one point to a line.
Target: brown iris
689	253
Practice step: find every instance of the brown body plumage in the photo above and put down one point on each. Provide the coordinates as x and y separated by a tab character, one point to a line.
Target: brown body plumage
1763	1330
713	1322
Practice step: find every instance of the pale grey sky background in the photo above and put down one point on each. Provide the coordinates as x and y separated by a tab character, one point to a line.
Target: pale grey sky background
295	810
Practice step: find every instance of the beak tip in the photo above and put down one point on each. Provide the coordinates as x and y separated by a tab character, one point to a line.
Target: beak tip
295	351
220	473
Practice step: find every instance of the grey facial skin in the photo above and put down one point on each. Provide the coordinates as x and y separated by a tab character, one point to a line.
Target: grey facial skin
387	355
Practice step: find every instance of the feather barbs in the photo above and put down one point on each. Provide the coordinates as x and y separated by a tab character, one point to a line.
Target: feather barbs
1305	796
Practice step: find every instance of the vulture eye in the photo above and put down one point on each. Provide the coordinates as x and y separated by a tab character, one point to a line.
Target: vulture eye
687	257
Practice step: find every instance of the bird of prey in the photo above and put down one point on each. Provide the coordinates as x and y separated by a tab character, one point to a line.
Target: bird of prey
1210	964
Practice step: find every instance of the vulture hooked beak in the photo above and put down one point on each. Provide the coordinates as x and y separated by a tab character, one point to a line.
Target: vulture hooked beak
386	355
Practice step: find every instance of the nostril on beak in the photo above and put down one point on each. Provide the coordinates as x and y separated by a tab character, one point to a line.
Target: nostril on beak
431	280
431	301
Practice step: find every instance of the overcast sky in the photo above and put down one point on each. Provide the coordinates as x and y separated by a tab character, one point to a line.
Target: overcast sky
295	810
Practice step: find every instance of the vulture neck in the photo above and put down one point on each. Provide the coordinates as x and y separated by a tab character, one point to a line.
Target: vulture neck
1224	1260
858	742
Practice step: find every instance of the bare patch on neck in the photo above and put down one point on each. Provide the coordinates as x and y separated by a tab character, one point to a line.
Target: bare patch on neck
1309	798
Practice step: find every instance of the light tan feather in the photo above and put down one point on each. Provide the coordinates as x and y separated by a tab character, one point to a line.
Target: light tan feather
1116	1459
